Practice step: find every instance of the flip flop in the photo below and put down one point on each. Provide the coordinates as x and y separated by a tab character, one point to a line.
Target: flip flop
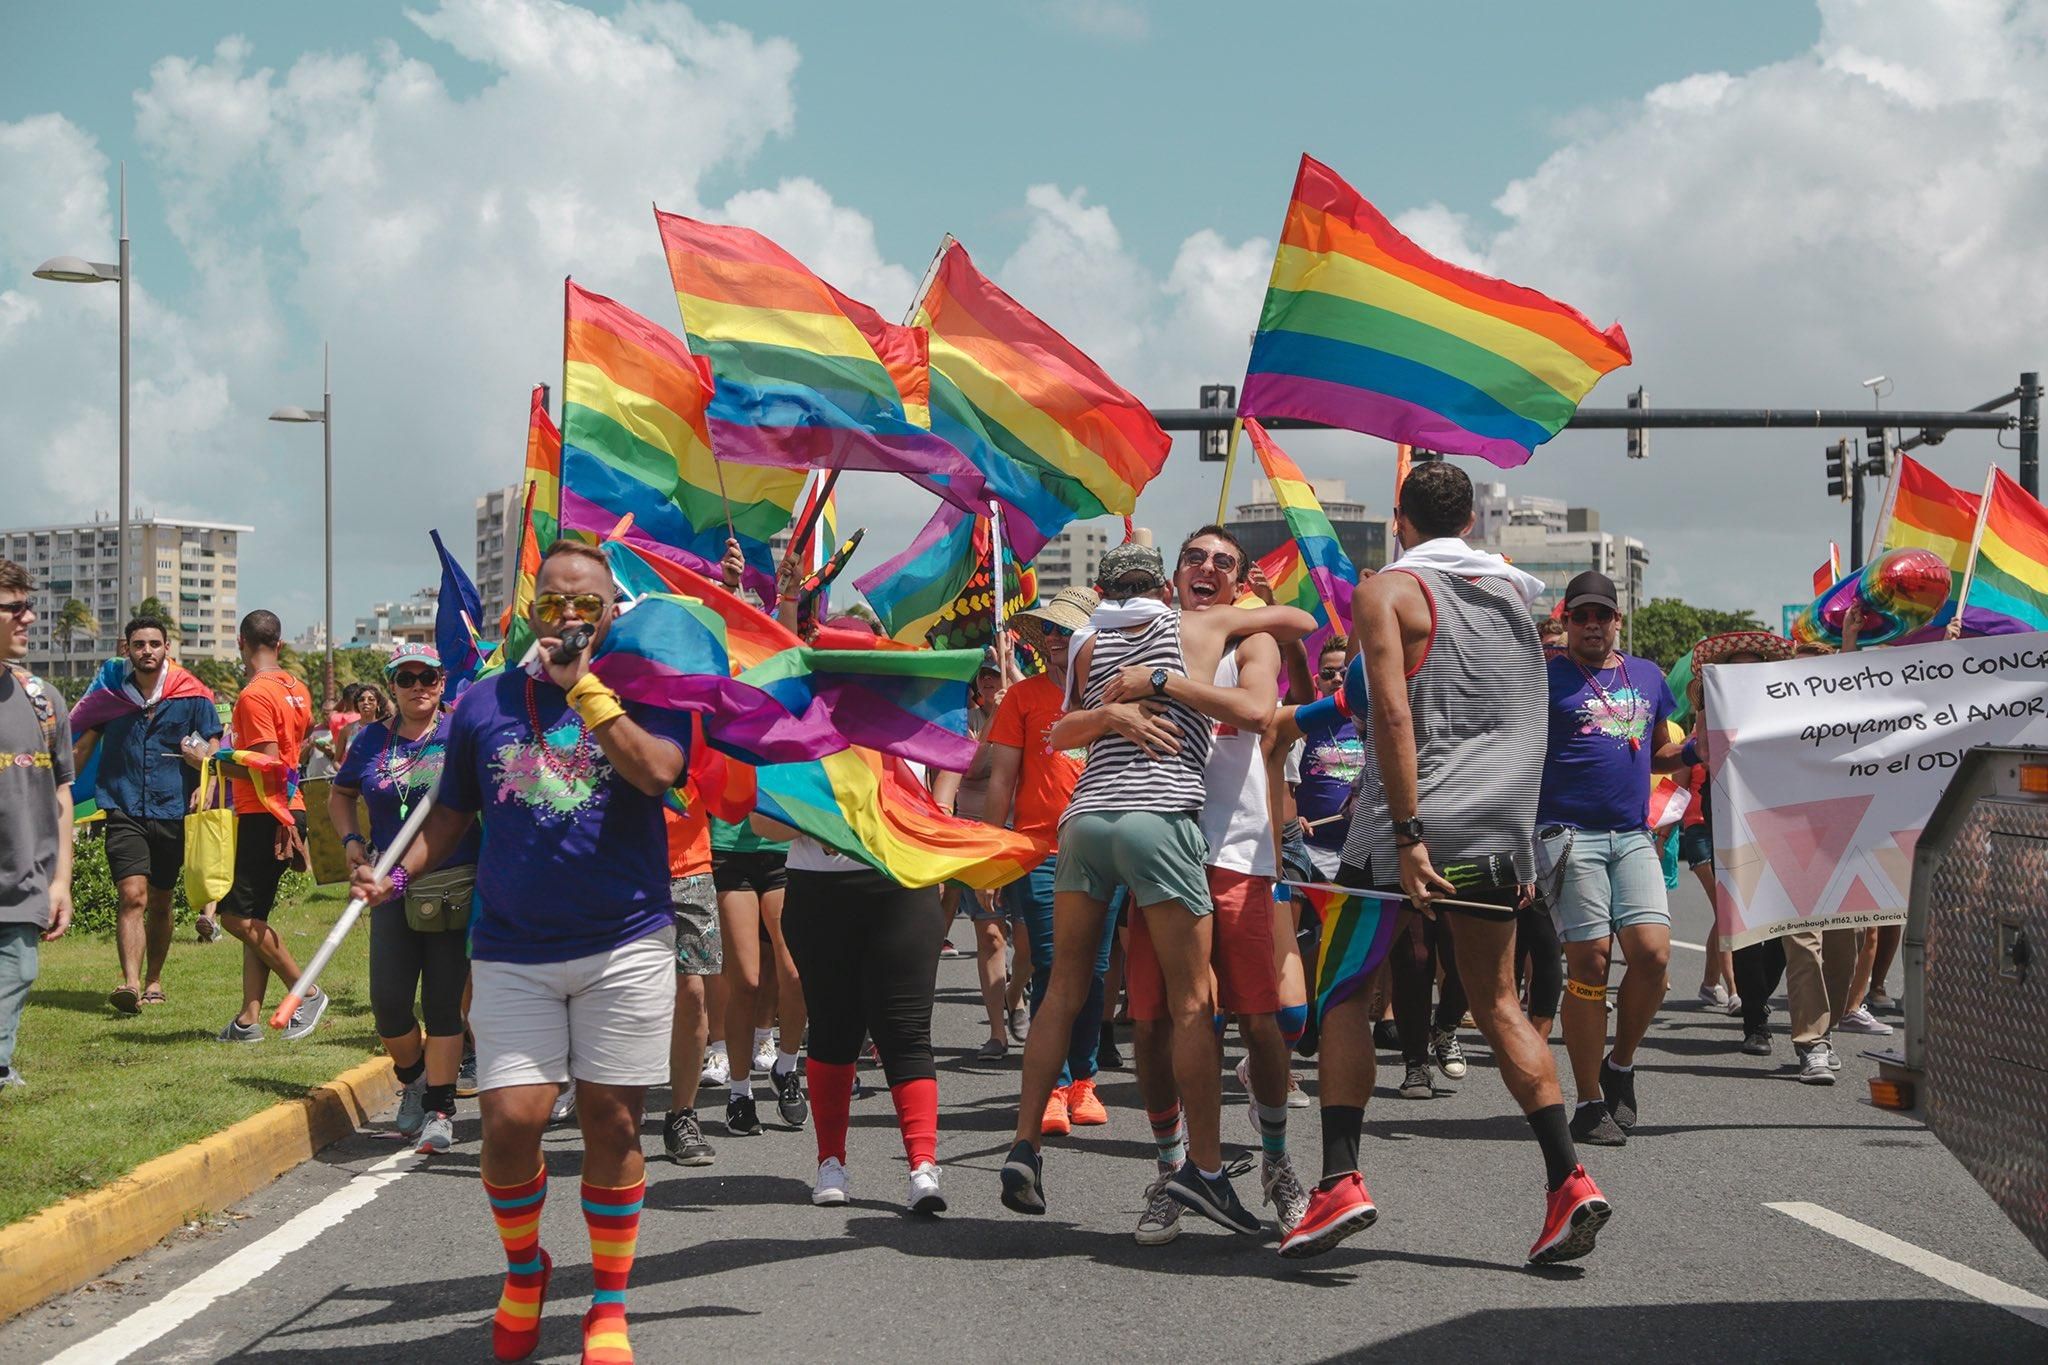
126	999
155	996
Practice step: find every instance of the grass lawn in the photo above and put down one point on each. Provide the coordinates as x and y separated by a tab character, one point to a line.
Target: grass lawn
106	1091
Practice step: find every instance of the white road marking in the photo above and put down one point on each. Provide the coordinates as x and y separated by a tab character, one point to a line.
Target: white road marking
1689	947
1955	1275
258	1258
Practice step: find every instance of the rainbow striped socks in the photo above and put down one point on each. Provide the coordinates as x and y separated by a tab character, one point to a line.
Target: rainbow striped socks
515	1329
613	1216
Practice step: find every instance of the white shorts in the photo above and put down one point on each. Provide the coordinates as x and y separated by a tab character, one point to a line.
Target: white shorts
603	1019
1326	861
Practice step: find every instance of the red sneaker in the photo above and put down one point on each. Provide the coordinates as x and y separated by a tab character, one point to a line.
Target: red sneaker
1056	1123
1084	1106
1575	1214
1333	1214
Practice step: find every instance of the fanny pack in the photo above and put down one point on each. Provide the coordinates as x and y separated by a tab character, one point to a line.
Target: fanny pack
439	902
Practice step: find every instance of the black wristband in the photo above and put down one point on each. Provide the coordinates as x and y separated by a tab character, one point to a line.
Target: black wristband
348	839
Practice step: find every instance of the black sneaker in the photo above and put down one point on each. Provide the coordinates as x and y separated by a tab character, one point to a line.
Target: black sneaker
1023	1181
1213	1199
465	1078
684	1141
789	1098
1386	1037
1757	1042
740	1118
1595	1127
1618	1088
1107	1055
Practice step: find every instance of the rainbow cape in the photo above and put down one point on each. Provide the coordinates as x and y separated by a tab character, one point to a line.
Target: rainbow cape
106	699
636	440
275	782
807	378
1321	578
2009	586
1364	330
1356	934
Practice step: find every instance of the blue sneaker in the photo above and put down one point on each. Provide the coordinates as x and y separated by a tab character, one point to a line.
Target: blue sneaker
1213	1199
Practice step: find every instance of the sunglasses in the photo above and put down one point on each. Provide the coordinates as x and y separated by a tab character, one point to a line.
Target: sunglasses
1337	672
1598	616
553	607
417	677
1195	557
1057	632
17	609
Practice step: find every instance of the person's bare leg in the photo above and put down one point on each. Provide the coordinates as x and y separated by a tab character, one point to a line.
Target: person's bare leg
739	925
989	948
1585	1021
609	1116
1152	1059
1022	967
1076	930
1648	948
1267	1051
158	927
514	1117
1485	951
1183	942
1889	936
789	987
129	935
263	952
1347	1066
688	1036
1866	959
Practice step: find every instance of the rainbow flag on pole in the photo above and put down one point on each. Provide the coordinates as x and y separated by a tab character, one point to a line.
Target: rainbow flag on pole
1321	565
1363	329
1929	513
1356	933
542	496
635	440
2008	585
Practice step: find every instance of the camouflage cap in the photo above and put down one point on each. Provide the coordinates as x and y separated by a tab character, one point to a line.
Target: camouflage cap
1131	569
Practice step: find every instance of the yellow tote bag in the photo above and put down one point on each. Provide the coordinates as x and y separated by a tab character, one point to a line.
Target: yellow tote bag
209	841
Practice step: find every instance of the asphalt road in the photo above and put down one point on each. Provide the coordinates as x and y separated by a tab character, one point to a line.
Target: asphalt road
735	1263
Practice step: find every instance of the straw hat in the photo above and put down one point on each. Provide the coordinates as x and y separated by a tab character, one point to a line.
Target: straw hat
1717	649
1069	608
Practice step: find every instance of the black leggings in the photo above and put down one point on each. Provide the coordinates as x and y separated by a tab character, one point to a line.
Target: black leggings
1418	946
404	964
1536	942
1758	970
868	952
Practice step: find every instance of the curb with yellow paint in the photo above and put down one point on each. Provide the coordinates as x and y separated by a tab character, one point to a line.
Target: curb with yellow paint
68	1244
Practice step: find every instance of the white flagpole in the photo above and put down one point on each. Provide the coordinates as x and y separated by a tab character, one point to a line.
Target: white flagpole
998	636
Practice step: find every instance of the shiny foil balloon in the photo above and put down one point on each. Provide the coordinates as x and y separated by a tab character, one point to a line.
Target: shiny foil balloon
1899	592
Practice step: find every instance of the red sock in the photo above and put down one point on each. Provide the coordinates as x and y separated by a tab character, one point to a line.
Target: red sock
917	1114
515	1329
831	1085
612	1213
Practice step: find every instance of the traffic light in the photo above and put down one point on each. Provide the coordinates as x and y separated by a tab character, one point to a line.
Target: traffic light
1876	463
1838	469
1216	440
1639	437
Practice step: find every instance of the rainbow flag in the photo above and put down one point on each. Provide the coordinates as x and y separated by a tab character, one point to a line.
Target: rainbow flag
1329	572
1356	933
911	593
636	441
275	782
541	493
1830	571
2009	584
1929	513
868	807
807	378
1363	329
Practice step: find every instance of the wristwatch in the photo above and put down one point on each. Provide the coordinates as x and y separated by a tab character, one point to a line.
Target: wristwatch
1159	677
1407	833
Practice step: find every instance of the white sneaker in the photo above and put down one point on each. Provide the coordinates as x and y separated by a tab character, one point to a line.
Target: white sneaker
717	1069
831	1188
1297	1098
1861	1020
565	1103
1734	1006
764	1054
1714	996
924	1196
1817	1066
1160	1223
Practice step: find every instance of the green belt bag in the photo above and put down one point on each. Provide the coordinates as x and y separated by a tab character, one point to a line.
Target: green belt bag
439	901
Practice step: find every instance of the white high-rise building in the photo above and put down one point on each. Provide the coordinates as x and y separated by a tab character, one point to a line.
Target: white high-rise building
1071	558
500	517
1555	542
191	567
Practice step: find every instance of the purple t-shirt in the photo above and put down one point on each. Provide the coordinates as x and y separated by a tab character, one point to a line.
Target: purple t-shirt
1594	778
1332	756
392	774
575	858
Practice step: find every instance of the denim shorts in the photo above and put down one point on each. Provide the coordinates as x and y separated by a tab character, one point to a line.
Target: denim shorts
1600	883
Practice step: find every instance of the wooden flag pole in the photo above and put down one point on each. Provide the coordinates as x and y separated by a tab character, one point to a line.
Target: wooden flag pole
1976	542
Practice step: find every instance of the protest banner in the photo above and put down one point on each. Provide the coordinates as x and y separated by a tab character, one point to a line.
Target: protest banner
1823	771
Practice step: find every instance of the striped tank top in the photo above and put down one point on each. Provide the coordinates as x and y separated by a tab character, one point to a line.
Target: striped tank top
1120	776
1479	702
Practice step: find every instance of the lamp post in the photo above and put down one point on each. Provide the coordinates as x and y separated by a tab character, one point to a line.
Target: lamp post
75	270
325	417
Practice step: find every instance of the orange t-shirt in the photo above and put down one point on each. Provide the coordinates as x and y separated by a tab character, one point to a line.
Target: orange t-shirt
274	708
689	838
1046	777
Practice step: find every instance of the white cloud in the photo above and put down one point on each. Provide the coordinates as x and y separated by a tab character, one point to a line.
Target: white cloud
1118	21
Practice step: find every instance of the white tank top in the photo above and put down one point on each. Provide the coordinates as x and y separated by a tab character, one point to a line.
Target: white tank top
1236	820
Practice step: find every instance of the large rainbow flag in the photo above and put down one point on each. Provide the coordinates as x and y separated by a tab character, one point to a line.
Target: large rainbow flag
1363	329
635	440
541	492
1929	513
807	378
1320	567
2009	585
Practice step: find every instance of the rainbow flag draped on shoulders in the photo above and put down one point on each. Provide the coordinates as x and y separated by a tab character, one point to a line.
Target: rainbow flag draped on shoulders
108	698
636	440
1364	330
2009	584
1321	578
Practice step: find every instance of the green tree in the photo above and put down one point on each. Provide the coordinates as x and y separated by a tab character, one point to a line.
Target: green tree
224	678
1669	628
154	606
74	619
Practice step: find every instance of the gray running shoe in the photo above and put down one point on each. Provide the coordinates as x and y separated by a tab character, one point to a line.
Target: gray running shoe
682	1138
1020	1024
1818	1064
565	1103
994	1050
1160	1223
412	1106
465	1078
1450	1058
307	1017
238	1032
1284	1192
11	1079
1417	1084
437	1133
1595	1127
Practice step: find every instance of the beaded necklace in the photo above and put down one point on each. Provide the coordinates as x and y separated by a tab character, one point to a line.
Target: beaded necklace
1635	742
400	777
580	756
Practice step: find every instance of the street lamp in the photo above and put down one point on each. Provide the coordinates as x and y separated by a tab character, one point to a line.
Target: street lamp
75	270
324	415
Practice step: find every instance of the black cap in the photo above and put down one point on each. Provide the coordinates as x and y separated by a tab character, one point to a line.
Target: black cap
1591	589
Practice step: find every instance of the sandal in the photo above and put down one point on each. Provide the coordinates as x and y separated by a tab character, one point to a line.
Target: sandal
126	999
155	996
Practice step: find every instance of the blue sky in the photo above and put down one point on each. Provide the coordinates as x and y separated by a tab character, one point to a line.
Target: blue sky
1728	180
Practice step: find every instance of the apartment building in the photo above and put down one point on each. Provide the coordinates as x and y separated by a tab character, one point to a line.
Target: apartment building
189	566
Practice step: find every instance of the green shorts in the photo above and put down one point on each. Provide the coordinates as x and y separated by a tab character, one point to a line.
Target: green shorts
1157	854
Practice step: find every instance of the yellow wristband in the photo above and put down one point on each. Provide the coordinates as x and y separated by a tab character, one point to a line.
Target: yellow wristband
595	702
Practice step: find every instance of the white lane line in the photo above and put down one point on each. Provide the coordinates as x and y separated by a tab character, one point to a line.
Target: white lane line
1956	1276
1689	947
258	1258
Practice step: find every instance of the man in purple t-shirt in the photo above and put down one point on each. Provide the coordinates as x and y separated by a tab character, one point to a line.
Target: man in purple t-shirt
572	937
1595	859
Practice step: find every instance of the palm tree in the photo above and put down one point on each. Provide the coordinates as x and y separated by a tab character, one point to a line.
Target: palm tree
74	619
152	606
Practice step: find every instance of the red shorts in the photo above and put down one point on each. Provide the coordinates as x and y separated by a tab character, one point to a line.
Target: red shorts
1241	951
